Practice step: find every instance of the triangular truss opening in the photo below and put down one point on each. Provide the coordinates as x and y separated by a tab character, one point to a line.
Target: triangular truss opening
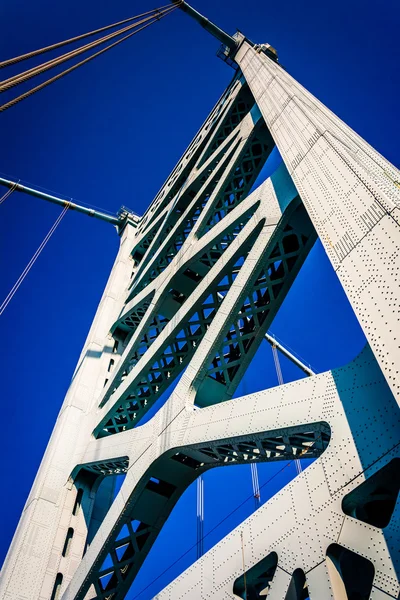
351	575
298	589
255	583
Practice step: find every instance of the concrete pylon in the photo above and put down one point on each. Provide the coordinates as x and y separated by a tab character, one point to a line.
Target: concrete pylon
197	283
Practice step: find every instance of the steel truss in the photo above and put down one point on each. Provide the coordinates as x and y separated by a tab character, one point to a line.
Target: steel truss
195	287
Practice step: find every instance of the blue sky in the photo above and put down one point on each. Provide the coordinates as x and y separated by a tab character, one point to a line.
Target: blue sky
108	135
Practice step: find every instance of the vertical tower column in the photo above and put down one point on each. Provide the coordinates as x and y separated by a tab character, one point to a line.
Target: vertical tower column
351	193
50	539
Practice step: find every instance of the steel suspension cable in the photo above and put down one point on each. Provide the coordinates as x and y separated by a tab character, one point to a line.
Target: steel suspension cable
253	467
30	264
37	70
297	462
200	516
70	69
277	365
13	61
256	485
8	193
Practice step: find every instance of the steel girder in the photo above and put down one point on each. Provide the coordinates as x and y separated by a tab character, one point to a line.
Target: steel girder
193	290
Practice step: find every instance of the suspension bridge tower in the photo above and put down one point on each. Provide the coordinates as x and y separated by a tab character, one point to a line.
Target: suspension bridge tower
194	288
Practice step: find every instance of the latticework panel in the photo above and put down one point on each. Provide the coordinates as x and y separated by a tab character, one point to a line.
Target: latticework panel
171	297
173	353
231	108
265	294
219	185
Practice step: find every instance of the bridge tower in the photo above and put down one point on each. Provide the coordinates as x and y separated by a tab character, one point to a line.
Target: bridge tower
195	286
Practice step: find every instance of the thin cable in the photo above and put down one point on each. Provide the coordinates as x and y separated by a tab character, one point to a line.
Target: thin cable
12	61
225	518
30	264
200	516
39	69
297	462
32	261
63	73
8	192
277	365
256	485
253	466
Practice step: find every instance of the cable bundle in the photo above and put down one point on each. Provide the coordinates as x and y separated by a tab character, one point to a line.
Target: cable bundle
135	24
